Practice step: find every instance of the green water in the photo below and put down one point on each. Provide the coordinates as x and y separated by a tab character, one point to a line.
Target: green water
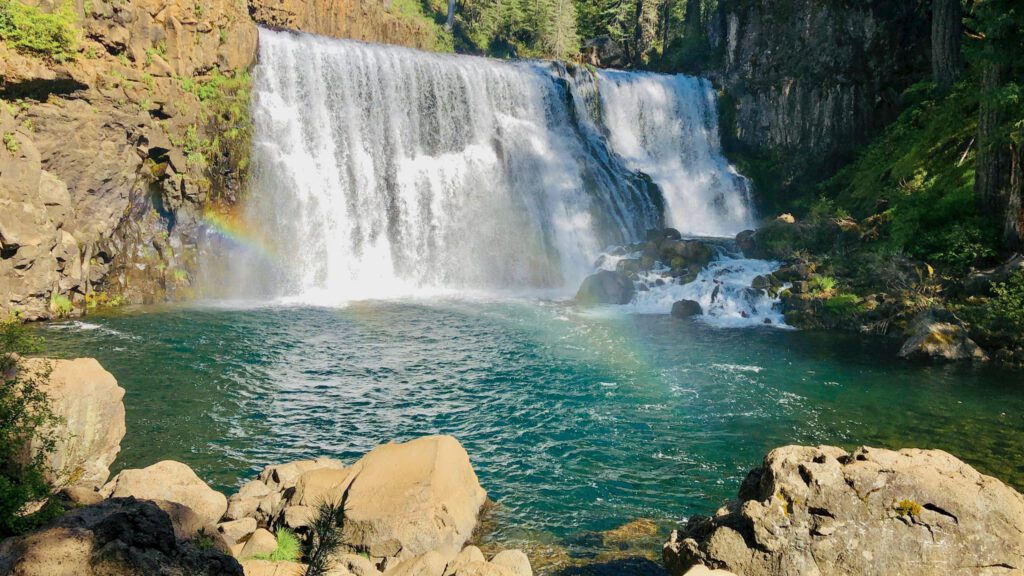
574	423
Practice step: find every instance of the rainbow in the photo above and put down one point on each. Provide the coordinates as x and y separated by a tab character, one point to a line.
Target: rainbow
240	234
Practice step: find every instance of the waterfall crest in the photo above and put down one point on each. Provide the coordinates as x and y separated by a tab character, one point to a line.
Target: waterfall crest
380	171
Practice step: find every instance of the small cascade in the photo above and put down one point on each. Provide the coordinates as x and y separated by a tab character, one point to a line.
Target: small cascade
723	290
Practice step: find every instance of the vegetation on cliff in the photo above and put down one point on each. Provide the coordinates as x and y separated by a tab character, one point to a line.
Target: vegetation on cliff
25	416
29	29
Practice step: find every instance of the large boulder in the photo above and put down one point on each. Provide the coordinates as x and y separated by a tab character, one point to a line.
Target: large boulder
117	537
409	499
686	309
939	335
606	287
88	402
911	512
171	481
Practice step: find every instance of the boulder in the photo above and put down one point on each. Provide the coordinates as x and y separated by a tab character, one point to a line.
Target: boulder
515	561
429	564
605	287
171	481
468	555
939	335
87	399
284	476
355	565
413	498
261	543
319	485
254	567
238	530
604	52
910	512
705	571
117	537
686	309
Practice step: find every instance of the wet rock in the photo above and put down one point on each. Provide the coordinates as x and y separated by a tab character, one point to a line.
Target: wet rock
686	309
939	335
604	52
873	511
88	401
171	481
605	287
117	537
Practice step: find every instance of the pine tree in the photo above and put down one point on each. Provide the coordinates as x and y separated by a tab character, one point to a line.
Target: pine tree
947	31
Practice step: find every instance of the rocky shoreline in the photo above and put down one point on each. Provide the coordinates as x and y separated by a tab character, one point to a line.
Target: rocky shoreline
416	508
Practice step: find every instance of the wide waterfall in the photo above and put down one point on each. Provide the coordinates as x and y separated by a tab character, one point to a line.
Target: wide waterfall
381	171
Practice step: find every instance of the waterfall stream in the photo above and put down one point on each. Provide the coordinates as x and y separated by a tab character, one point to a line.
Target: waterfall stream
380	171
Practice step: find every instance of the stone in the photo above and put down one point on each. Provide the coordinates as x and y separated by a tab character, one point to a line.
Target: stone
937	334
686	309
429	564
319	485
117	537
88	401
418	497
260	543
296	517
254	567
873	511
701	570
604	52
238	530
171	481
515	561
482	569
81	495
468	555
356	565
605	287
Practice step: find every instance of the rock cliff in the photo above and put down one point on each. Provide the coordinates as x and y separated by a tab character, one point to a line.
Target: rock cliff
806	82
110	159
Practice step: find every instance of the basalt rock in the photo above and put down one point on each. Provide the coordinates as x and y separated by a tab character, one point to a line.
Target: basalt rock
117	537
810	510
605	287
686	309
356	19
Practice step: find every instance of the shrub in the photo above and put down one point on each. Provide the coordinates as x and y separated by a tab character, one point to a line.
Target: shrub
325	533
11	143
1003	314
25	416
824	284
288	548
908	508
28	29
60	306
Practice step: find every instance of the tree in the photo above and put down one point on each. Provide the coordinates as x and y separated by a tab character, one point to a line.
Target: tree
947	30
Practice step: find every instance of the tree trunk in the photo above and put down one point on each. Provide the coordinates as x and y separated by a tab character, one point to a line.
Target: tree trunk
666	20
450	22
638	34
691	20
992	175
947	29
1013	229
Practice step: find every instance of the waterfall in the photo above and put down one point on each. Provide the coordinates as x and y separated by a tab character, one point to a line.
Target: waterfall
380	171
667	127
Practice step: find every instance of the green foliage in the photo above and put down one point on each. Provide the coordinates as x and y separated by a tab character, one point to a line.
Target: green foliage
1003	313
427	15
60	305
11	143
28	29
289	549
523	28
25	416
325	535
824	284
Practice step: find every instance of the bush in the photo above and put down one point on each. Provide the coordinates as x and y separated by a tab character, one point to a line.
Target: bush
25	415
29	29
325	535
1003	314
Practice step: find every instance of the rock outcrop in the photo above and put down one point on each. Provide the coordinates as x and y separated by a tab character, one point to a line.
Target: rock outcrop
171	481
364	20
117	537
808	81
88	402
939	335
606	287
686	309
110	160
822	510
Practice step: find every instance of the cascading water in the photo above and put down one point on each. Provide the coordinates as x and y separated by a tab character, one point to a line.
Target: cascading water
667	127
381	171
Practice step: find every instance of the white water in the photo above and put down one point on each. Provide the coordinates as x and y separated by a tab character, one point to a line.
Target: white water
723	291
667	127
383	172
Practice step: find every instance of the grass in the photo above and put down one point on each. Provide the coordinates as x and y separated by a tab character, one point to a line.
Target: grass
29	29
11	143
288	548
60	306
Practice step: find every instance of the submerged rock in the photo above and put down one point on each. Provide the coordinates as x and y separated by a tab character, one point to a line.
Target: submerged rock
686	309
117	537
606	287
873	511
939	335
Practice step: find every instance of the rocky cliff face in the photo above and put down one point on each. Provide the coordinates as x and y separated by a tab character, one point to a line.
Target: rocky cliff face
109	160
366	20
808	81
